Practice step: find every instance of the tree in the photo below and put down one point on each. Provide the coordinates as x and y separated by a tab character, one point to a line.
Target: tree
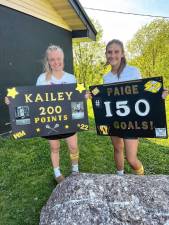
149	49
89	59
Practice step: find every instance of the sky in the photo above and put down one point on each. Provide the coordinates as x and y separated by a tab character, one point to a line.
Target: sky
121	26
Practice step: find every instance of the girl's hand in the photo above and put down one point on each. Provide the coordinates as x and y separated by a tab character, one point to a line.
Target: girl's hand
164	93
7	101
88	95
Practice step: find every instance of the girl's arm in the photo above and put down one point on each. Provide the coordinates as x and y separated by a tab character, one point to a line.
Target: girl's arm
164	93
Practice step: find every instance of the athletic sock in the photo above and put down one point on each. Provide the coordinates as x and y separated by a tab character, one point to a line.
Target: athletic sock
57	172
140	171
120	172
75	168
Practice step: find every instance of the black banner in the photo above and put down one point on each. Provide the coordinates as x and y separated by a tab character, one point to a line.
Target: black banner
130	109
47	110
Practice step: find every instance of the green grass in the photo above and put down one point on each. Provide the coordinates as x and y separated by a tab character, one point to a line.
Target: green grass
26	176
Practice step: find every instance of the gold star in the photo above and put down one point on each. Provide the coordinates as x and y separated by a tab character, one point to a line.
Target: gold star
66	126
80	88
38	129
12	92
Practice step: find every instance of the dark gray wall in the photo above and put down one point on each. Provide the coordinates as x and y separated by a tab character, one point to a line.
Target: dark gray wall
23	40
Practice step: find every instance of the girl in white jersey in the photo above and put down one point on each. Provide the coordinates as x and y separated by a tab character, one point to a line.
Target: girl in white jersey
54	74
120	72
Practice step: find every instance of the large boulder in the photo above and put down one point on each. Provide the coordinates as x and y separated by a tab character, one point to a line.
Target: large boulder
108	199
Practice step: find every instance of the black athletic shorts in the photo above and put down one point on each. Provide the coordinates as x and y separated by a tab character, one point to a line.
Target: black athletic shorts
133	138
59	136
126	137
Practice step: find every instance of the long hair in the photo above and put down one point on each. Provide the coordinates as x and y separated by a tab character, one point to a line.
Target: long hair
46	67
123	59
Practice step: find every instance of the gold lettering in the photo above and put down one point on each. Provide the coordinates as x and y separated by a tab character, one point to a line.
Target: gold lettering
133	125
136	125
54	118
58	109
145	125
36	119
128	90
27	98
65	117
38	98
46	97
68	95
60	96
151	125
19	134
116	125
116	91
122	91
109	91
60	117
43	119
135	89
123	125
52	97
48	119
130	125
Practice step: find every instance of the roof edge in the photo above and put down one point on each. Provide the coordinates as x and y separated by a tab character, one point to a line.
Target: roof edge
91	31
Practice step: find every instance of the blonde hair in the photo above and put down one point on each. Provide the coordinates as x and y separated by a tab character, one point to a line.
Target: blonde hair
123	59
46	67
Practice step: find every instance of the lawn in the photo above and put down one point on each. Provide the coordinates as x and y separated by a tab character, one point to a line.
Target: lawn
26	177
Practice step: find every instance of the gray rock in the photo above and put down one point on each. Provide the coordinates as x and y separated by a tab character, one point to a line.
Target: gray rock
91	199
